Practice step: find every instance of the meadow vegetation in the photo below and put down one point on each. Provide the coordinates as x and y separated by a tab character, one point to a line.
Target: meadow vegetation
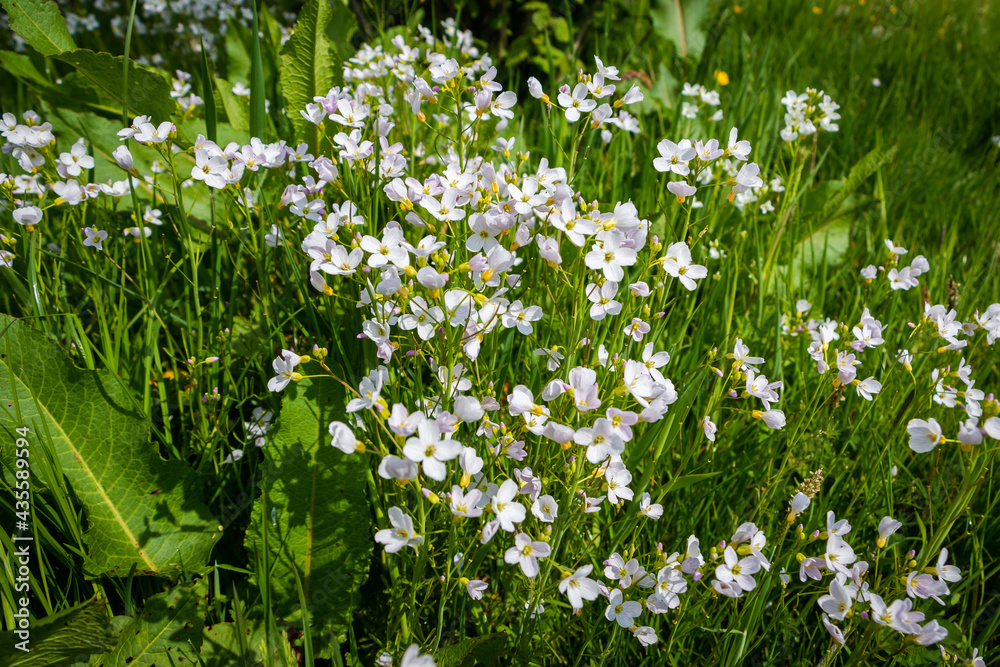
519	333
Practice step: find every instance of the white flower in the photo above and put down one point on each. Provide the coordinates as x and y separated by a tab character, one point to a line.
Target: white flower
747	178
738	571
393	467
738	149
210	168
603	299
835	632
577	103
343	437
508	512
601	440
284	366
674	158
526	553
800	502
610	255
924	435
944	571
618	481
466	504
579	587
545	508
519	316
650	509
475	588
867	388
646	635
620	611
932	633
424	318
678	263
412	657
886	527
430	450
838	603
400	535
94	237
895	249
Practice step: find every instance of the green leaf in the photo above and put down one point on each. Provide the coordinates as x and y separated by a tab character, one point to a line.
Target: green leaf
208	96
236	107
237	54
168	631
270	27
40	24
340	30
827	246
486	649
21	66
68	636
680	21
321	524
560	29
258	116
309	67
220	647
865	167
148	90
140	509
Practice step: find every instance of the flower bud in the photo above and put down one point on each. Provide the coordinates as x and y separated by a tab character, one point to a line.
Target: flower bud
124	158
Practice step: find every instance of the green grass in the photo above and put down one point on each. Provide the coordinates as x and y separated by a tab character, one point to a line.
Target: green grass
913	161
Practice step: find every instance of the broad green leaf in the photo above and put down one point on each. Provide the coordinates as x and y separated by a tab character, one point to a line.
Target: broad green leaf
168	631
341	28
486	650
221	647
825	247
21	66
270	27
148	90
77	93
237	55
309	67
40	24
865	167
657	95
316	513
66	637
237	109
140	509
680	21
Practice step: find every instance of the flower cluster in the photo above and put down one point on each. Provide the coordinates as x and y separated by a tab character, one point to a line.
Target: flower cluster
899	279
704	100
866	333
442	249
808	113
586	98
852	581
693	161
